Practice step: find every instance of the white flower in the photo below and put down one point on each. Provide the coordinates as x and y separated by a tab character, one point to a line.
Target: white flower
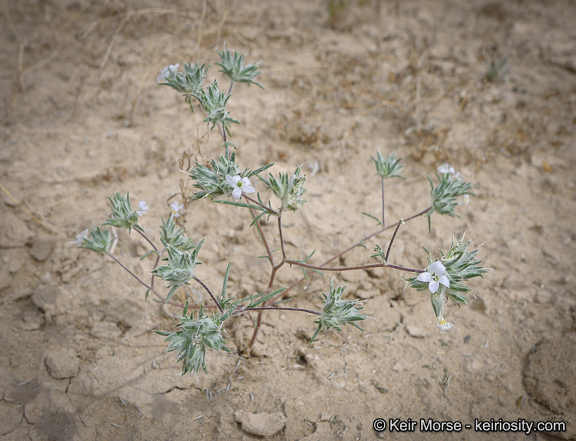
142	208
443	324
80	237
239	185
465	200
175	209
168	71
446	168
434	276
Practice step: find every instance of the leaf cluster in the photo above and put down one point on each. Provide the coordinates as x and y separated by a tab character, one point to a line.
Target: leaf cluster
444	194
337	312
461	265
122	215
180	267
289	188
193	337
174	236
389	167
189	83
211	179
233	67
213	102
100	242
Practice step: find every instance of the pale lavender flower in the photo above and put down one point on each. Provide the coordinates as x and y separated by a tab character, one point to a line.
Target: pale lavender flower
434	276
167	72
443	324
80	237
446	169
142	208
239	186
175	209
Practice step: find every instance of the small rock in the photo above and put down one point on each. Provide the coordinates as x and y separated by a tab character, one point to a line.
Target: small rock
68	275
5	279
401	366
364	295
105	330
62	363
323	431
50	299
41	249
32	319
261	424
305	334
11	417
415	331
259	349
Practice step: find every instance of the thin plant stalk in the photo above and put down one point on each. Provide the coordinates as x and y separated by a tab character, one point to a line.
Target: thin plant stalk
383	205
203	285
142	282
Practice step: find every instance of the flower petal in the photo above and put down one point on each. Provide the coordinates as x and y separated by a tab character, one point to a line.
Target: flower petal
444	325
444	281
237	193
436	268
248	189
245	182
232	180
424	277
433	286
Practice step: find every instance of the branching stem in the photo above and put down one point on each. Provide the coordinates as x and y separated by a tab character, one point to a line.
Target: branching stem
353	268
203	285
322	266
272	308
147	240
255	202
393	237
142	282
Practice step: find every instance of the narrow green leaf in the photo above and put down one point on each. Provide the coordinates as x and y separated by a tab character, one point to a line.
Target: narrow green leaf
225	283
147	254
257	218
379	222
172	291
241	204
162	333
315	334
260	170
263	299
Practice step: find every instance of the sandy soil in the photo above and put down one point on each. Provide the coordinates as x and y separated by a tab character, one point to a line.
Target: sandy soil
82	118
